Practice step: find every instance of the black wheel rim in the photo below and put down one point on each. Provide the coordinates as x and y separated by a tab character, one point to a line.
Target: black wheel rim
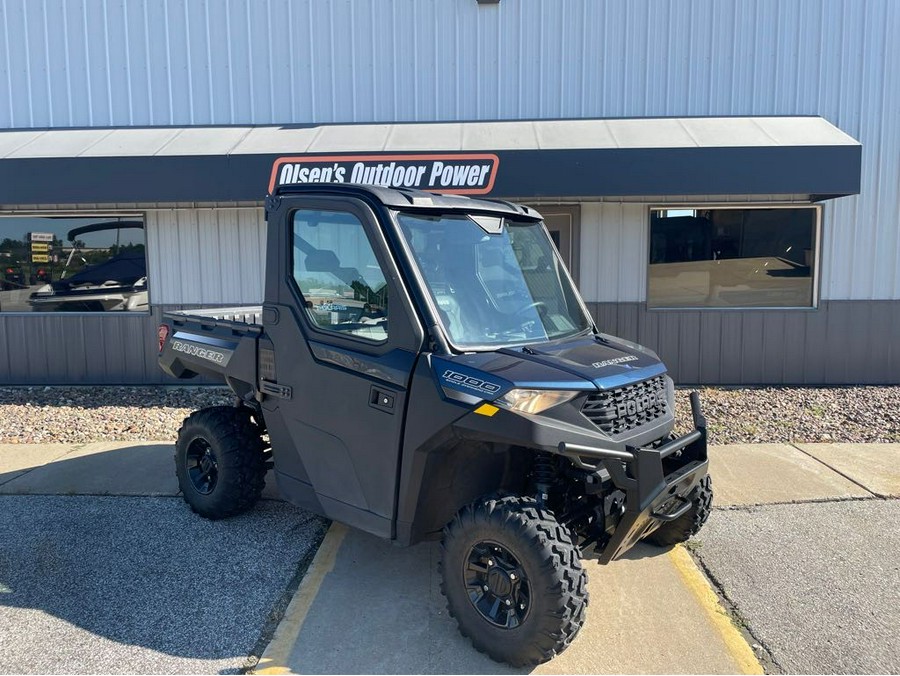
202	466
496	584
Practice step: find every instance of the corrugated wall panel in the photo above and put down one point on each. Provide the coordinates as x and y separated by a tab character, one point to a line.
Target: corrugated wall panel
832	345
201	256
96	63
79	349
613	251
828	346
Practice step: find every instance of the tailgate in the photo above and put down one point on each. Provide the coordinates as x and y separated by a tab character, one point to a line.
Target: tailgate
210	344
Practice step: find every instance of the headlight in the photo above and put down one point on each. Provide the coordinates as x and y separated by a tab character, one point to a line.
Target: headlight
534	401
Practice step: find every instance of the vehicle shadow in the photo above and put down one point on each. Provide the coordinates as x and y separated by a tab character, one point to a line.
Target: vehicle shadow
89	583
643	551
138	469
101	468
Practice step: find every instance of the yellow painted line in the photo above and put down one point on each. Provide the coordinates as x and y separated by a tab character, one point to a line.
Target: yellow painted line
734	641
486	409
274	659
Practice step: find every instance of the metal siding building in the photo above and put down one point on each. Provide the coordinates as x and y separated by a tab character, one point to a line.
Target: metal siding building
105	64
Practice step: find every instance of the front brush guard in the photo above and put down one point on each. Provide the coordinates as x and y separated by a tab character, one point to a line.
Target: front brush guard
657	482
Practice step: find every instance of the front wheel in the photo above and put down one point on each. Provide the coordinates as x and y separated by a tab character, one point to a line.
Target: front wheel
689	523
513	580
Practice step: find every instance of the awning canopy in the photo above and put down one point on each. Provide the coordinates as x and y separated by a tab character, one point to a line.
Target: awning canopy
534	159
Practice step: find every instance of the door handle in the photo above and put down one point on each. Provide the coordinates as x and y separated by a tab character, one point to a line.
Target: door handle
381	399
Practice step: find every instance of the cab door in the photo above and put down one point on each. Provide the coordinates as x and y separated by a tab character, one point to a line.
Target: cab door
344	341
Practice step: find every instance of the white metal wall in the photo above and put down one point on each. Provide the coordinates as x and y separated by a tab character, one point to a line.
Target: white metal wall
613	252
206	256
100	62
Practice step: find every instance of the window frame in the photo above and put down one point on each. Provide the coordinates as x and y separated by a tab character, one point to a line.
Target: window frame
817	254
335	337
122	215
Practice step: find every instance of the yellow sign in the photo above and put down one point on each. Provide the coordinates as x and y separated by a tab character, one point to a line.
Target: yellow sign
40	258
40	247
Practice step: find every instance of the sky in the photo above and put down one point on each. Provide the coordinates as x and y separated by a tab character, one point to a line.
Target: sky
16	227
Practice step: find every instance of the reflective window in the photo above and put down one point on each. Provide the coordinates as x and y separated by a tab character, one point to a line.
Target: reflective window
65	264
343	287
748	257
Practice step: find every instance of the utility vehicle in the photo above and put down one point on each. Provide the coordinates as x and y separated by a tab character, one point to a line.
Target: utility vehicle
423	367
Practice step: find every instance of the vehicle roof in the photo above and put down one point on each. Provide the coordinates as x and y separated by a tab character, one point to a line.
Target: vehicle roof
407	198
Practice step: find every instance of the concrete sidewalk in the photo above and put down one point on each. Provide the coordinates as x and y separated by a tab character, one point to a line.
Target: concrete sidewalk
378	609
366	606
744	474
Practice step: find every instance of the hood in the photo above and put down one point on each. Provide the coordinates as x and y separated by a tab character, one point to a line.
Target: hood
583	363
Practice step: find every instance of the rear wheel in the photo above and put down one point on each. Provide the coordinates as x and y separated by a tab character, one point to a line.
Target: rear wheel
220	461
513	580
688	524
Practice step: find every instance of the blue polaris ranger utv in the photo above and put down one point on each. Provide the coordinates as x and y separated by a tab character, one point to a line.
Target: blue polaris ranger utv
424	368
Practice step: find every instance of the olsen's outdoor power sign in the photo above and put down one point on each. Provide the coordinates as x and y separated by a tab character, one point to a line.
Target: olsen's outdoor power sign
454	174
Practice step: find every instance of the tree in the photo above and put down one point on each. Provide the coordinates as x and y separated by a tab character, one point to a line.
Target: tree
9	244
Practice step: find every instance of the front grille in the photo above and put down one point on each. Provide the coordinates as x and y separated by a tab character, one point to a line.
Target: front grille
623	409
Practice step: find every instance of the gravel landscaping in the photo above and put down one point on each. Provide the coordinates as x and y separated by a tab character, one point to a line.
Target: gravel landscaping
72	415
800	414
84	414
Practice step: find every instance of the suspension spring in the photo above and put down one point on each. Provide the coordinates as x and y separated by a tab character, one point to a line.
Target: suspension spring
544	474
544	469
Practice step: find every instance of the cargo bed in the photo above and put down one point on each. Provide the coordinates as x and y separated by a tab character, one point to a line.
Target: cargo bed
217	343
244	314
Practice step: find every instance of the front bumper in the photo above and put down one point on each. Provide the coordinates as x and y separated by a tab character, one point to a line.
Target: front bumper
657	482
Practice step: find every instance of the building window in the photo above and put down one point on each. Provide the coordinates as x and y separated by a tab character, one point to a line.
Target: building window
343	287
727	257
73	264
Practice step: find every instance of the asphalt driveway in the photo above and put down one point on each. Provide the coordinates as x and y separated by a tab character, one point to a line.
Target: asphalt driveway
142	585
817	583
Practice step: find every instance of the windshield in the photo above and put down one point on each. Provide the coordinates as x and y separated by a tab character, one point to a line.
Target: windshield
493	286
